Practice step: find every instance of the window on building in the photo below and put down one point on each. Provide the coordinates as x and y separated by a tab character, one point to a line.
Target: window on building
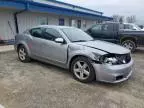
51	34
70	22
74	23
44	21
61	22
79	24
84	24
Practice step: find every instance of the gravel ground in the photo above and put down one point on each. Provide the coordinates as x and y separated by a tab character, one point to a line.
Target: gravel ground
40	85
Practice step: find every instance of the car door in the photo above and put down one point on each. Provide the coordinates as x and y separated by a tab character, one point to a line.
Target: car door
36	43
110	33
54	51
96	31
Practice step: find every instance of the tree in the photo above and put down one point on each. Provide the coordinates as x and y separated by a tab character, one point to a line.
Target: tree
118	18
131	19
121	20
115	18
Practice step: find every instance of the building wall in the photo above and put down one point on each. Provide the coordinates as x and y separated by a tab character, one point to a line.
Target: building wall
27	20
7	28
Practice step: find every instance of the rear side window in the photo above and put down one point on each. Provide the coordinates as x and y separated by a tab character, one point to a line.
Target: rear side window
50	34
36	32
126	26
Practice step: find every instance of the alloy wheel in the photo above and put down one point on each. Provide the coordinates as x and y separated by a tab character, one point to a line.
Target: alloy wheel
22	54
128	45
81	70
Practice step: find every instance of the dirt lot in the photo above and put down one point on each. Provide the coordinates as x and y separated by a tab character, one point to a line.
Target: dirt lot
39	85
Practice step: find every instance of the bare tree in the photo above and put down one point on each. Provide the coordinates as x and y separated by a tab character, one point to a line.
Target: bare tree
115	18
121	20
118	18
131	19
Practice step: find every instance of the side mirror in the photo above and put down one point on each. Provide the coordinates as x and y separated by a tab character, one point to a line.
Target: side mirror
59	40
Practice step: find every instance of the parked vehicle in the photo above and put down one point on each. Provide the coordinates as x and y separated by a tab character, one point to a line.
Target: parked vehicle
114	32
73	49
1	42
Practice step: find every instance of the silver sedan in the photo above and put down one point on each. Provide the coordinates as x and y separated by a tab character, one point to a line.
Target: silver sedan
73	49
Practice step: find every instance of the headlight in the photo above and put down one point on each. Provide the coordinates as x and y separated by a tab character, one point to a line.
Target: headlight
105	59
111	60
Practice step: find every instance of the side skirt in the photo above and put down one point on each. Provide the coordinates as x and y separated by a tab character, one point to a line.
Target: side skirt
49	61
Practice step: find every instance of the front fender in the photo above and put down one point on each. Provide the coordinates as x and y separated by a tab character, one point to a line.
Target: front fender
79	53
83	51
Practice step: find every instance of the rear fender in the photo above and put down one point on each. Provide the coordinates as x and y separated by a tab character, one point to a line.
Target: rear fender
128	37
25	45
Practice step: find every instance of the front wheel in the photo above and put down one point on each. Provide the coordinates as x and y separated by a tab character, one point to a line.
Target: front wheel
83	70
129	44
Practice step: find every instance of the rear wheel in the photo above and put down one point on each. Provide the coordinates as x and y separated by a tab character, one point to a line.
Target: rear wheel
23	54
83	70
129	44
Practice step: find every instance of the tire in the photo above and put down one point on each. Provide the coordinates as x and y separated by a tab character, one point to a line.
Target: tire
131	45
83	72
23	54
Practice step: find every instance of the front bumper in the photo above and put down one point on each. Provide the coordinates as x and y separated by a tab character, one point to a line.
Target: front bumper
113	73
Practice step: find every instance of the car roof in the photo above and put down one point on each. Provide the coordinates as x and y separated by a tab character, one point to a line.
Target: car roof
53	26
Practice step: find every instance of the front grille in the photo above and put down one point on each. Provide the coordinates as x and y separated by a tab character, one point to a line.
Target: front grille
123	59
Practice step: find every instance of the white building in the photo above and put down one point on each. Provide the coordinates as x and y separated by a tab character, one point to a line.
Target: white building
18	15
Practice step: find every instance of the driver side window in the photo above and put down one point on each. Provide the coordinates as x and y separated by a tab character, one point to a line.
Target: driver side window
51	34
97	28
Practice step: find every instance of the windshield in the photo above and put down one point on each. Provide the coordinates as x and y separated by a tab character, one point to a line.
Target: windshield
76	35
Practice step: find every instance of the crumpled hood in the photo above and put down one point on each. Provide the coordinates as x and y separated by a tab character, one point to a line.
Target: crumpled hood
105	46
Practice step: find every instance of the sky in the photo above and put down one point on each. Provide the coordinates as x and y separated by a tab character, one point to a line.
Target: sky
111	7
